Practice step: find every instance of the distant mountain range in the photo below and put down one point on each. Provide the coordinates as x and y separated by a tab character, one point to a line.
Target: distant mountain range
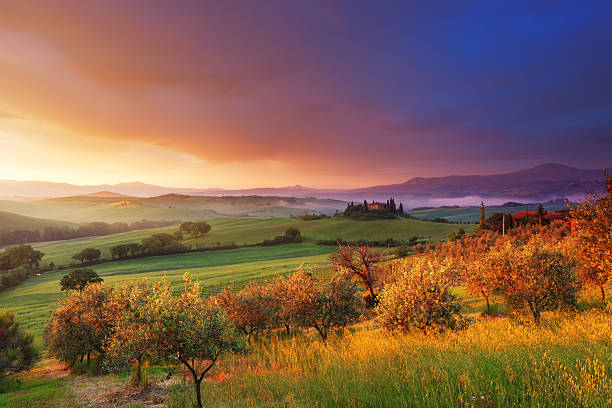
540	183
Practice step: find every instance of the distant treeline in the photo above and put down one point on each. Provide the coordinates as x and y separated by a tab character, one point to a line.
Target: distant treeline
11	237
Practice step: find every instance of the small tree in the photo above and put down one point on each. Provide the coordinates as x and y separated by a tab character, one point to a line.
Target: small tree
280	292
533	277
293	235
482	215
89	255
17	351
186	330
81	324
361	262
252	310
322	307
20	255
78	279
132	342
420	298
199	229
593	218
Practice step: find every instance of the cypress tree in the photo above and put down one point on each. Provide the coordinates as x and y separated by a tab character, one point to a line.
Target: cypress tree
482	214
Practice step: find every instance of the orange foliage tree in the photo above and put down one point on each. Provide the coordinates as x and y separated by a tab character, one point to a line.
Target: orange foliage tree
593	218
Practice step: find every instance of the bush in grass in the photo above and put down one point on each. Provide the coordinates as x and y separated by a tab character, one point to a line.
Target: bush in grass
420	298
17	351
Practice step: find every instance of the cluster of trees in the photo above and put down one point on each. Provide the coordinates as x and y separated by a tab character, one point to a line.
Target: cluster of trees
292	235
137	323
157	244
17	264
300	301
362	210
88	255
10	237
195	229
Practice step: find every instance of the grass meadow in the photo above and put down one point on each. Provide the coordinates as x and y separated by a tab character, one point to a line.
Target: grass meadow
34	300
247	230
493	363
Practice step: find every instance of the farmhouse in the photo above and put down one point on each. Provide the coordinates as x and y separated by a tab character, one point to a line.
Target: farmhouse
377	206
524	217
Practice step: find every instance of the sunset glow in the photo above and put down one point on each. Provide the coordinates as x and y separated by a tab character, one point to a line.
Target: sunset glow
243	94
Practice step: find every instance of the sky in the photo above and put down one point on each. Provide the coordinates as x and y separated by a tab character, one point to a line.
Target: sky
317	93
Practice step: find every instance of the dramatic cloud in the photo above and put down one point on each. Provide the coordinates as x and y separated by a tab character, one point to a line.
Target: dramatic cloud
319	93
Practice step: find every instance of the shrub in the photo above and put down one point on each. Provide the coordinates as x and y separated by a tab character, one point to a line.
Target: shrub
17	351
420	298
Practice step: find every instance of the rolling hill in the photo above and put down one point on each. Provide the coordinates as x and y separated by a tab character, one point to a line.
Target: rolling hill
11	221
540	183
90	208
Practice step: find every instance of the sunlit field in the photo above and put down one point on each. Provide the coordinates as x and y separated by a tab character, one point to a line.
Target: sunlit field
34	300
495	362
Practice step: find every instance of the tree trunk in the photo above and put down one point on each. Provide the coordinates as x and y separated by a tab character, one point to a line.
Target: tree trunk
372	296
603	294
287	327
197	385
486	298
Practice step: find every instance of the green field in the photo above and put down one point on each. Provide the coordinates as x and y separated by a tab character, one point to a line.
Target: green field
249	230
60	252
34	299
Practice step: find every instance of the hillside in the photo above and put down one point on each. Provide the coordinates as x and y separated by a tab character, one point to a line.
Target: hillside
90	208
11	221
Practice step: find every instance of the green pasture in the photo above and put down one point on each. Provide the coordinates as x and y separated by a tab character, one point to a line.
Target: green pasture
34	300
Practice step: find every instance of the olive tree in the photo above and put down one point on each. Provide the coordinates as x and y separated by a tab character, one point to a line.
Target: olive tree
189	331
322	306
420	298
533	277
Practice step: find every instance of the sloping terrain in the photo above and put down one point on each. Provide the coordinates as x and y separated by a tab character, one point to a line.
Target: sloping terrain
11	221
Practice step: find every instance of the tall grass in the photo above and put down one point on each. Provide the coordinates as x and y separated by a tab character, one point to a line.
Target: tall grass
566	362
